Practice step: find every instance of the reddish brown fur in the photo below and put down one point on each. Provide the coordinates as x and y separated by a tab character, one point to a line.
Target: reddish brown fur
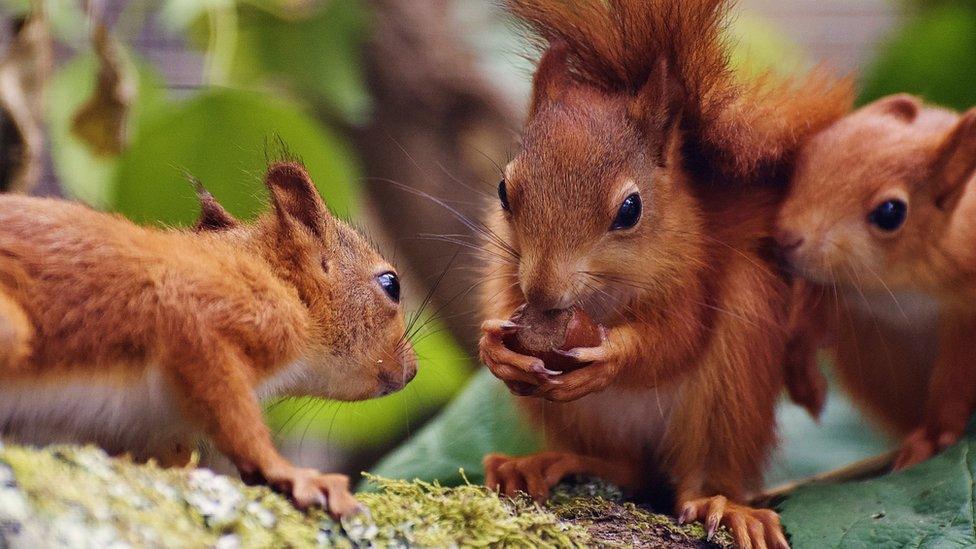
686	382
285	305
896	148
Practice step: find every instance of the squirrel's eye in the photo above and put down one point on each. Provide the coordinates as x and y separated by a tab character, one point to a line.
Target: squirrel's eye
629	213
503	196
391	285
889	216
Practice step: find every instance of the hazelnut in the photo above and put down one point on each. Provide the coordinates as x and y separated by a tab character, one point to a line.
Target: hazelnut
541	333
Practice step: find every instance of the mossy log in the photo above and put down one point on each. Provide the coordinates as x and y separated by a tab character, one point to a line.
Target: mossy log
80	497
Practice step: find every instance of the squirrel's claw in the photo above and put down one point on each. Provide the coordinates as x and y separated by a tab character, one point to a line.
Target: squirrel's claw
749	527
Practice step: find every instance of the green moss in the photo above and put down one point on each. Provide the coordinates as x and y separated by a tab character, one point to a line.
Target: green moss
429	515
68	496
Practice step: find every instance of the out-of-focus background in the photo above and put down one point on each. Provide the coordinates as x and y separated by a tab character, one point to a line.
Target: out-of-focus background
404	111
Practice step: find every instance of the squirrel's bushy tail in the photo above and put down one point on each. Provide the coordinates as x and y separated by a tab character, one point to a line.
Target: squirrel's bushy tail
740	126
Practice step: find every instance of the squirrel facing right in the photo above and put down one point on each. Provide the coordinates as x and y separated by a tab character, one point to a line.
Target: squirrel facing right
145	341
883	207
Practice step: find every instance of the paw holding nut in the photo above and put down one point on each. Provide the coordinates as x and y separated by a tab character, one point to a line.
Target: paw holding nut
550	335
556	355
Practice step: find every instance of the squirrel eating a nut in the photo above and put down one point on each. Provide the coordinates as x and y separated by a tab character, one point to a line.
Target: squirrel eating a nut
644	195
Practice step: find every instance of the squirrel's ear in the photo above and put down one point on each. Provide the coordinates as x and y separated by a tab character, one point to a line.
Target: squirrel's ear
902	106
295	197
657	107
955	162
213	216
551	76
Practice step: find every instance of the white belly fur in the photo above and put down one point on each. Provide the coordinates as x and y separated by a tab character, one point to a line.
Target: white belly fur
137	415
638	417
121	416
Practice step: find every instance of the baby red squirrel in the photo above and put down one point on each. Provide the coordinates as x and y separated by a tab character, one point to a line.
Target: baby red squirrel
883	206
146	341
644	193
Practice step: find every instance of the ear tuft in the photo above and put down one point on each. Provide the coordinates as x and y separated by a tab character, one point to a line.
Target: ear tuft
213	216
955	162
657	107
551	76
902	106
295	197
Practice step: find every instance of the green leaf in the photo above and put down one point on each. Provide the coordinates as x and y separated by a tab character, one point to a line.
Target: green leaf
223	137
319	55
934	56
929	505
84	176
482	419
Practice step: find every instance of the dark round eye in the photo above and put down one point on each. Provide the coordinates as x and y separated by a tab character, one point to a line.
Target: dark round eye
391	285
629	213
889	216
503	196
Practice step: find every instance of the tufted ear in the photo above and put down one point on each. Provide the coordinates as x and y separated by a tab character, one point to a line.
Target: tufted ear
213	216
902	106
955	162
295	198
551	76
657	107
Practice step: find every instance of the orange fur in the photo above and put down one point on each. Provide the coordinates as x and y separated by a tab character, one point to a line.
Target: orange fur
894	149
152	338
636	96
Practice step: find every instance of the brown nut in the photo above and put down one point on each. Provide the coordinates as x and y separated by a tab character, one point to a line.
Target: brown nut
541	333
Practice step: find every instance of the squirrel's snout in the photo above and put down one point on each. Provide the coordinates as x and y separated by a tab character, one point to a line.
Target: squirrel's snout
403	371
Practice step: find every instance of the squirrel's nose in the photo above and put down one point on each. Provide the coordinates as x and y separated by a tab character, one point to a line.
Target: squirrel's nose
546	299
788	240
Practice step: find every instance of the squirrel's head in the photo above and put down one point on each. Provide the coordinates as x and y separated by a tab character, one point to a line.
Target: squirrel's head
358	347
876	194
594	204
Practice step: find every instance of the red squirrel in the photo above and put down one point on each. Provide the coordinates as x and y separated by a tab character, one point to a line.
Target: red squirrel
146	341
882	211
644	193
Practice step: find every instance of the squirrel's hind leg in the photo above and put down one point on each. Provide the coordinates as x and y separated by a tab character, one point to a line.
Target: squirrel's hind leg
16	333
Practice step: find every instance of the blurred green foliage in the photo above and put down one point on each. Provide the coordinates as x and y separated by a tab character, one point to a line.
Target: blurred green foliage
933	55
84	175
319	55
224	137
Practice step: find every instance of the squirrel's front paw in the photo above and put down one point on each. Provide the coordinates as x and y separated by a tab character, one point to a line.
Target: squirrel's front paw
923	443
599	367
309	487
521	373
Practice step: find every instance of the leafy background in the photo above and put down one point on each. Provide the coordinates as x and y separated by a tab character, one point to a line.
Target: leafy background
296	71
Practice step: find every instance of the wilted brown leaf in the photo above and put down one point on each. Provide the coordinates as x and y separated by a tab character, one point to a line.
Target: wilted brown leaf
102	121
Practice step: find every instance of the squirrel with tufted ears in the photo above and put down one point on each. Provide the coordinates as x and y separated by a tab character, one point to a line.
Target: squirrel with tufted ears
645	193
148	341
882	214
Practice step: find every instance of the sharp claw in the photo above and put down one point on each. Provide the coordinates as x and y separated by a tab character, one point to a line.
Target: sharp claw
685	515
711	528
539	367
509	326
